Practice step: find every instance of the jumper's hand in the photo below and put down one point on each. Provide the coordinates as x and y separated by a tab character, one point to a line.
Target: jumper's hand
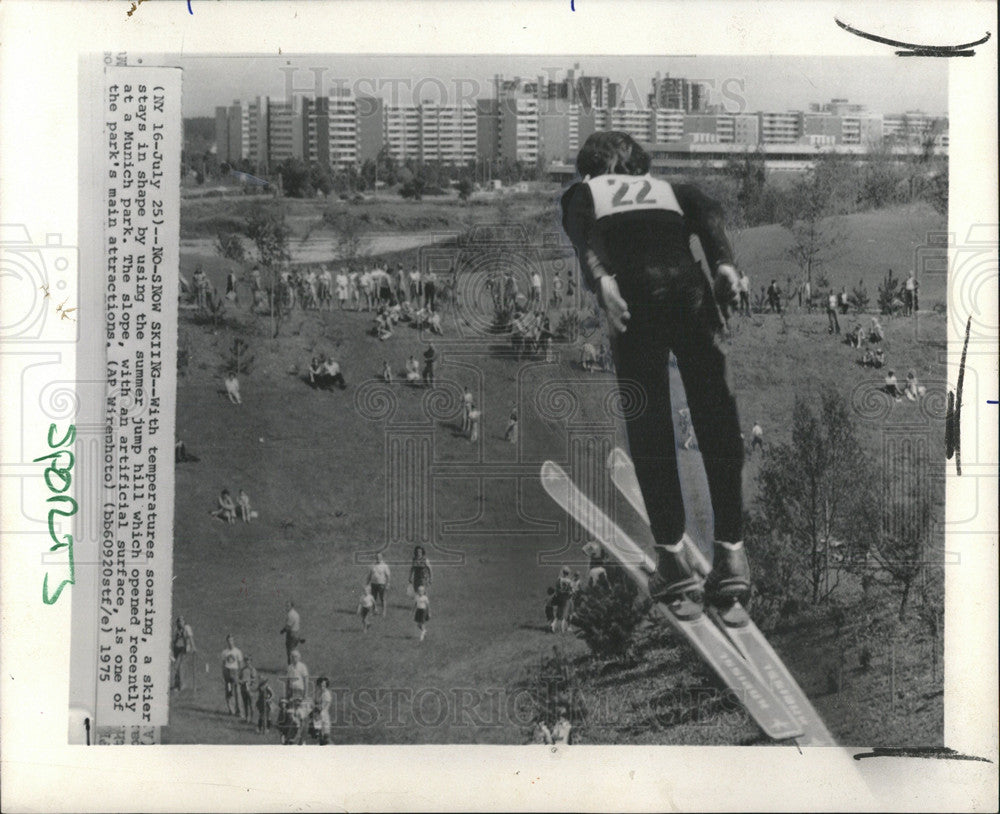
614	306
726	288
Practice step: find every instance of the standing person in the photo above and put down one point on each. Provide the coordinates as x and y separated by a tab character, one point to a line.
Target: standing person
402	285
366	607
322	704
293	623
231	294
430	356
422	610
343	288
843	300
744	290
232	661
297	677
774	297
420	569
415	288
831	312
536	289
466	409
557	291
563	600
475	414
183	644
636	256
264	697
248	687
757	438
807	296
511	434
430	290
378	578
910	303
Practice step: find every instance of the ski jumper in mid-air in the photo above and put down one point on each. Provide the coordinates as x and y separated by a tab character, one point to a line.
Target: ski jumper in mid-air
632	236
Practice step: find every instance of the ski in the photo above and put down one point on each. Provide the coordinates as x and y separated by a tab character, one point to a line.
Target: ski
708	640
746	636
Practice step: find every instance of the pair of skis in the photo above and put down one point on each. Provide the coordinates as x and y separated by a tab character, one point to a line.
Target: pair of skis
737	652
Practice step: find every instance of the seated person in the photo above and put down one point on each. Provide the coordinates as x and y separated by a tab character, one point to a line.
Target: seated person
405	311
333	374
413	370
420	318
316	372
383	327
395	314
227	508
892	385
913	390
434	321
876	333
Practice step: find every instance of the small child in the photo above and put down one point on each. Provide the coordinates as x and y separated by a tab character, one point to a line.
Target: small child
243	503
365	607
422	610
264	696
233	388
511	434
386	372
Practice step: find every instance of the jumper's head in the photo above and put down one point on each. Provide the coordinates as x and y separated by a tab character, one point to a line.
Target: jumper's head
612	151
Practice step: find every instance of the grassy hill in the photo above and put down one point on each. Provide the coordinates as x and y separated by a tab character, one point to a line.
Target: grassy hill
321	468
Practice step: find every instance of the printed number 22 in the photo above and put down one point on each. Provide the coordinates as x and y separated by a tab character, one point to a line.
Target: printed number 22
619	198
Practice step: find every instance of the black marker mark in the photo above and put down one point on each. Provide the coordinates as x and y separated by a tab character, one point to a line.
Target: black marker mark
915	50
953	418
936	752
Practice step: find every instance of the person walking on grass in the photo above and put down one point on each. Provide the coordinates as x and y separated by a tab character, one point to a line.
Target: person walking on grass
183	646
475	415
757	438
366	608
632	234
420	569
378	580
422	610
430	357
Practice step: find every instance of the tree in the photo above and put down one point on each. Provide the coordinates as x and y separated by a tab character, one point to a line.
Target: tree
890	290
607	618
266	226
810	487
464	189
815	236
240	359
349	229
229	245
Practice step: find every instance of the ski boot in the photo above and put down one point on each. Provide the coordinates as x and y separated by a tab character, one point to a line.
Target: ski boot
676	582
727	588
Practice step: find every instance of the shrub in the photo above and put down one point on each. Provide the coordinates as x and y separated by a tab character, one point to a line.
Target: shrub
889	290
568	327
607	618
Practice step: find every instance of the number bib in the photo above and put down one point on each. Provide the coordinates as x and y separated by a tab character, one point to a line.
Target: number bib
617	194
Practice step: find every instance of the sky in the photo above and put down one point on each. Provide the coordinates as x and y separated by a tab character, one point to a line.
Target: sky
739	84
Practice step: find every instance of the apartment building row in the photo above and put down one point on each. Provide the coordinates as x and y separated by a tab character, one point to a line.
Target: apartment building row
528	122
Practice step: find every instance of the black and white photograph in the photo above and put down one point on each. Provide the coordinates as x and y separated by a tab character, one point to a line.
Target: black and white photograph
613	382
512	385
